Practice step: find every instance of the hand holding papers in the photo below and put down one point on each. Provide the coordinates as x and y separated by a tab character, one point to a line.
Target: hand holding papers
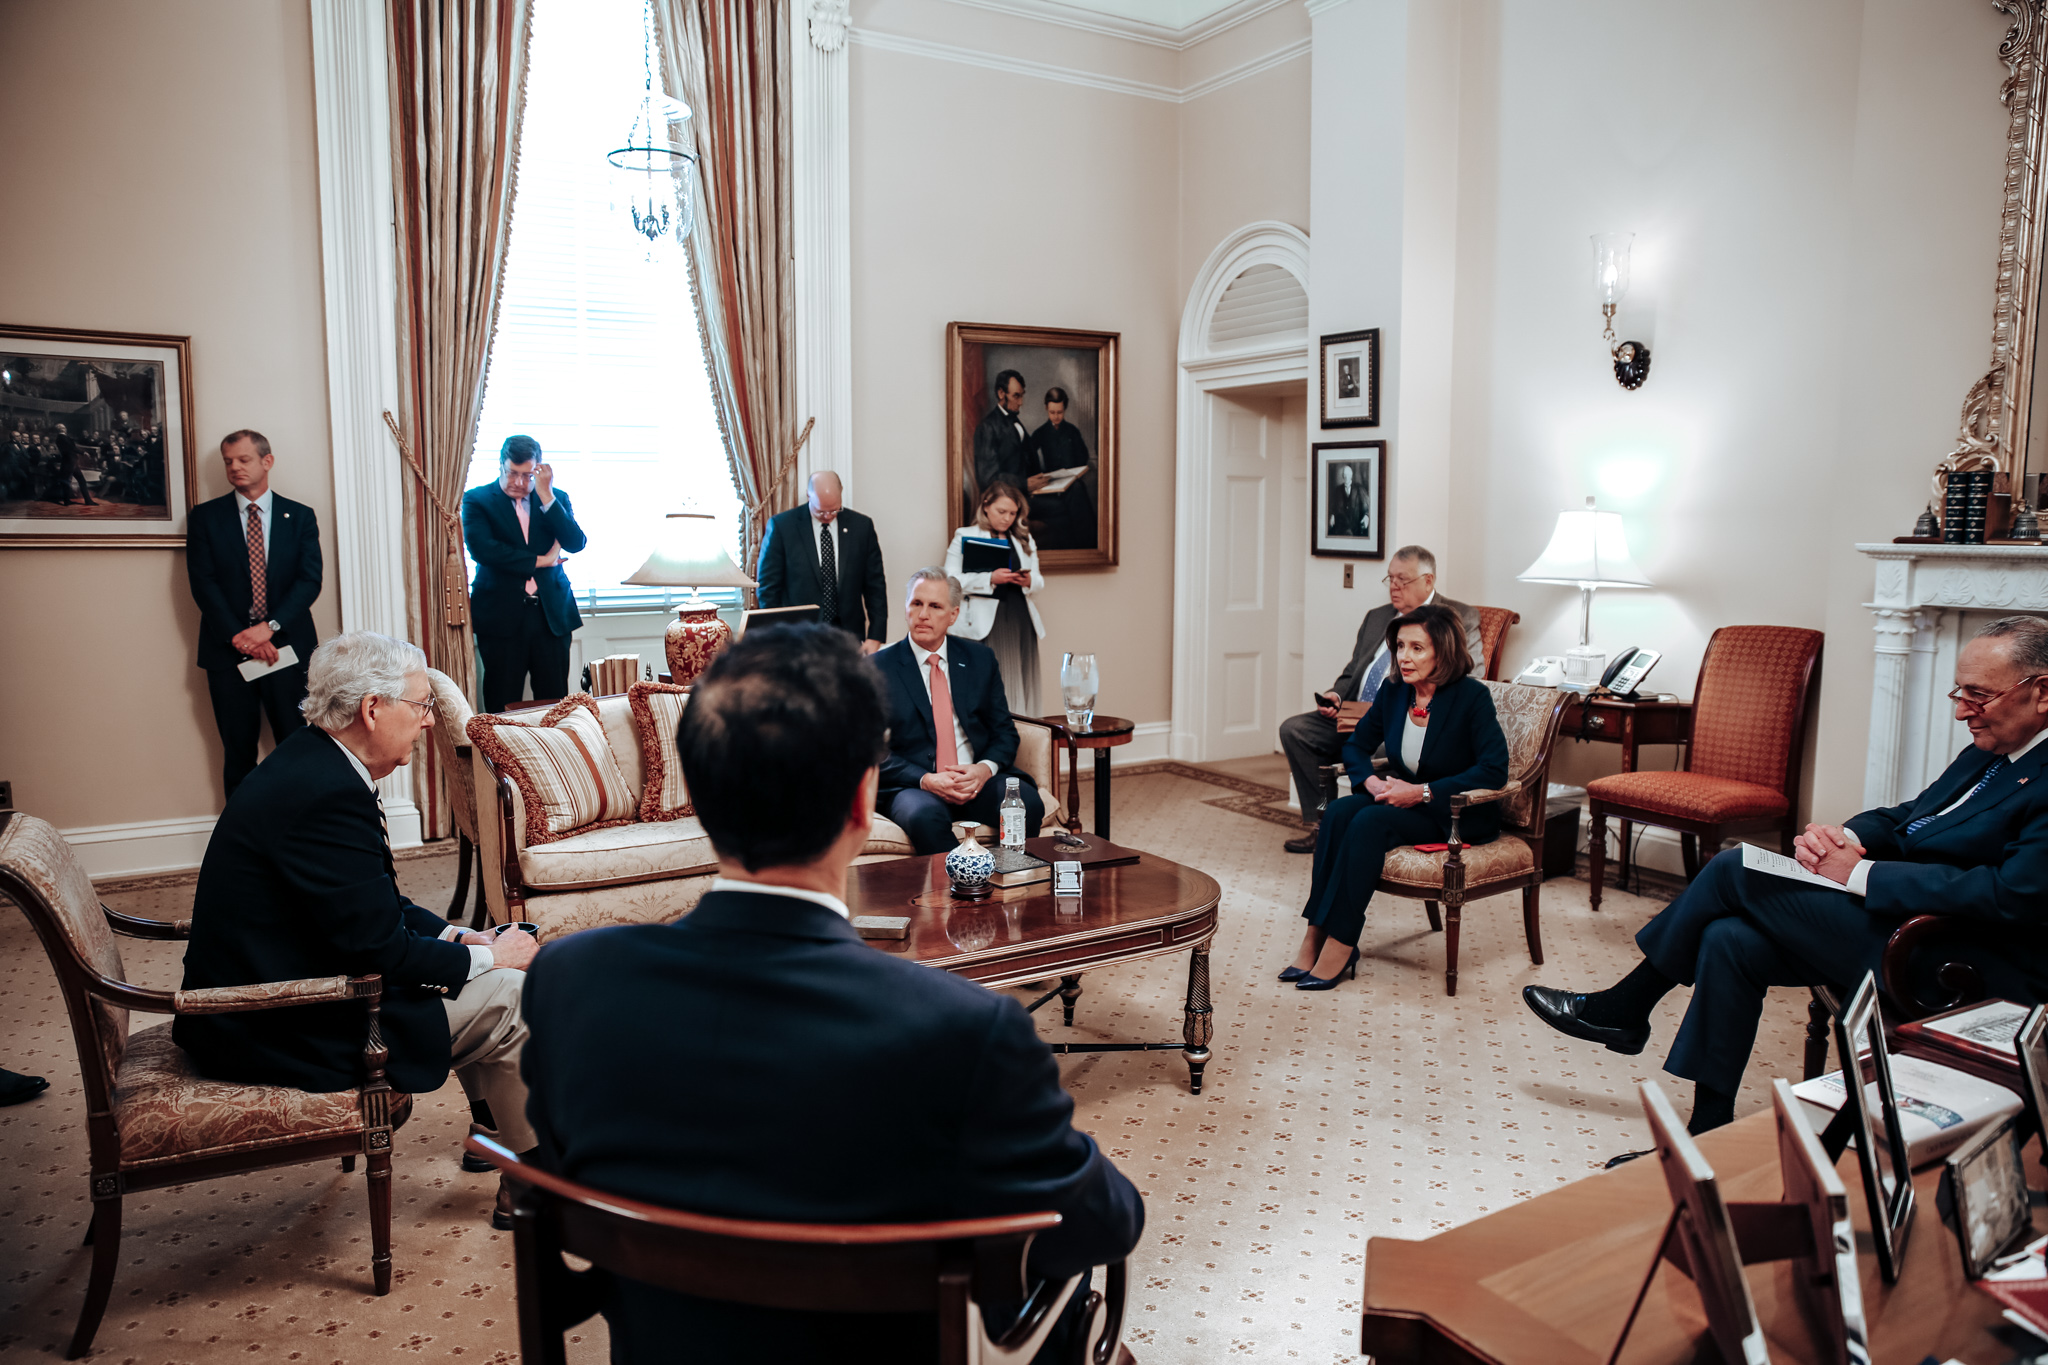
252	669
1778	865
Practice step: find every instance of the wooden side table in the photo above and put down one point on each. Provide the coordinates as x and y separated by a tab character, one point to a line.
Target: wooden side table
1630	724
1103	734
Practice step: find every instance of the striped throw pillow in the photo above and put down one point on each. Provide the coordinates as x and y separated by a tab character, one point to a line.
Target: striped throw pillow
657	710
567	777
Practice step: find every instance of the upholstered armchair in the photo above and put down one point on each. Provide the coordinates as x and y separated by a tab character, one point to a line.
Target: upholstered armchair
1529	717
1493	638
1756	688
151	1120
458	770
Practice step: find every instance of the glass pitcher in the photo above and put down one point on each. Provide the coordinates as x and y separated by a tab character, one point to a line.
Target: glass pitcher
1079	683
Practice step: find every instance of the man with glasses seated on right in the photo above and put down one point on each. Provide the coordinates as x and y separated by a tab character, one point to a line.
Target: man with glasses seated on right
1973	845
1310	740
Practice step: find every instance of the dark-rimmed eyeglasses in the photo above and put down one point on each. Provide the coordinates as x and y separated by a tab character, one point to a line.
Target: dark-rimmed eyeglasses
1978	700
426	707
1408	582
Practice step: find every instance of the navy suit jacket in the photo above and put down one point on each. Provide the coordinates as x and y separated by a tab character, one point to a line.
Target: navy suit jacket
976	685
297	882
217	565
788	570
756	1059
1463	750
1986	860
504	560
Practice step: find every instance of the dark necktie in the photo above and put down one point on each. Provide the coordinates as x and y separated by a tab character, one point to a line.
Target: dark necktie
258	586
390	867
1997	764
828	576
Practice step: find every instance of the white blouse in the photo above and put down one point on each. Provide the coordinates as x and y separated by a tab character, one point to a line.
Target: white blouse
1412	736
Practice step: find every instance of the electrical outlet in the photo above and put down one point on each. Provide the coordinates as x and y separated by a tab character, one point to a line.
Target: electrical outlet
6	796
1347	575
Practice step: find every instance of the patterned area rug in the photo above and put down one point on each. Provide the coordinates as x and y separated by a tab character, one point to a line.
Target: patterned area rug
1382	1108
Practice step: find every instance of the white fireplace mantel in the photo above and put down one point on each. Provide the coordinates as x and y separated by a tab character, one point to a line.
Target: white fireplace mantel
1921	596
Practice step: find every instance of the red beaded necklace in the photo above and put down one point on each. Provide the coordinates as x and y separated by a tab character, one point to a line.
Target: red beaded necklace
1421	712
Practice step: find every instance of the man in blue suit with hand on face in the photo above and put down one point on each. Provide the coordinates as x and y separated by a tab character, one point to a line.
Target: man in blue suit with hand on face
517	531
1974	845
951	739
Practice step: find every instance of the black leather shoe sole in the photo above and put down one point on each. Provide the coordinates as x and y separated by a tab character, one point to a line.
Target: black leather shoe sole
1560	1010
1305	844
476	1165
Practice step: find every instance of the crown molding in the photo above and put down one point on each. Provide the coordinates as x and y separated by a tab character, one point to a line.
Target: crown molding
1018	66
1315	7
1132	30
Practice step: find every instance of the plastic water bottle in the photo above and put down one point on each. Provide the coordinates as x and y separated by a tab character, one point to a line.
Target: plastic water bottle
1013	816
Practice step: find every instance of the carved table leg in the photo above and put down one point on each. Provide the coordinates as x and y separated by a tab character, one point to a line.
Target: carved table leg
1070	992
1102	792
1198	1026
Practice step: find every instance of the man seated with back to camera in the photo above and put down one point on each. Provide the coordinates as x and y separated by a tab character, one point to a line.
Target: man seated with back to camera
812	1077
951	739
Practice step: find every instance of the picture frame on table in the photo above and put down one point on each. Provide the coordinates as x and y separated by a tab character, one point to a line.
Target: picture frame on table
1348	499
1069	448
1887	1174
1351	378
1989	1186
97	446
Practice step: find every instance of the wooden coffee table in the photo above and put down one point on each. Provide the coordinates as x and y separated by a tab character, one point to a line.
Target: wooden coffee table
1139	910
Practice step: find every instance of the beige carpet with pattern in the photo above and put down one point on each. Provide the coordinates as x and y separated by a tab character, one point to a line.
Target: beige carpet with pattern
1382	1108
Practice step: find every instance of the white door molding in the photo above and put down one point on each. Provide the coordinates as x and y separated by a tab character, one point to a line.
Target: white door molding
359	269
1203	371
822	209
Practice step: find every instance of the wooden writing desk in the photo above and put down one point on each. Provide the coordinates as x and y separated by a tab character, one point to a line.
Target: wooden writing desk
1549	1281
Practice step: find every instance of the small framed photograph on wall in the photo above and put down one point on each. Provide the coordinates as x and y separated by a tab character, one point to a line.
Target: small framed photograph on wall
1348	499
1351	379
95	438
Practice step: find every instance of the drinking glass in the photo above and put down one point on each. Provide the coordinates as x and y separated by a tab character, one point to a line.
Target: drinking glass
1079	683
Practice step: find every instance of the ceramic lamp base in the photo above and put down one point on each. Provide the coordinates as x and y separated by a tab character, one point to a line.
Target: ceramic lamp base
693	640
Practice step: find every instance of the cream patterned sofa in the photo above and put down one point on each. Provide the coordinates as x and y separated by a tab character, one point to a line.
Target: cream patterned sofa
642	872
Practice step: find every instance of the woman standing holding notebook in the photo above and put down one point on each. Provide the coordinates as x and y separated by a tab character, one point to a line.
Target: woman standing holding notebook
997	566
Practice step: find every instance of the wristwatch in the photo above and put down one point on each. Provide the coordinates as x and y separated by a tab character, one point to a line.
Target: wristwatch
275	628
1425	793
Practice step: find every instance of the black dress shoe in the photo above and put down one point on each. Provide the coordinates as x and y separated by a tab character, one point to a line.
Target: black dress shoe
1560	1010
501	1212
15	1087
1305	844
475	1165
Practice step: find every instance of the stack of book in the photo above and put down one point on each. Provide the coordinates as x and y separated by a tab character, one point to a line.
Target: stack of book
1966	507
613	674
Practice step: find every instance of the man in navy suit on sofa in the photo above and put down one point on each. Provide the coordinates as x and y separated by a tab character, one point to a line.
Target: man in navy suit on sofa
757	1060
951	739
1974	846
253	560
517	530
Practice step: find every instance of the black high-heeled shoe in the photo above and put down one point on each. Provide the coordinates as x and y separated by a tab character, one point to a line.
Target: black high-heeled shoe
1293	973
1318	983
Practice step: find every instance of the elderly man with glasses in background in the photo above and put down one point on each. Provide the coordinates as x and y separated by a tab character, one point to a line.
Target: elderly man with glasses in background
1973	845
298	882
1311	739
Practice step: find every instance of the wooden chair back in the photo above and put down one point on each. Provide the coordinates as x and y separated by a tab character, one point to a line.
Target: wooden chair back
1493	636
1751	702
947	1268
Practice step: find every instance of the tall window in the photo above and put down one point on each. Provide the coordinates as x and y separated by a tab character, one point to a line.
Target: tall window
597	354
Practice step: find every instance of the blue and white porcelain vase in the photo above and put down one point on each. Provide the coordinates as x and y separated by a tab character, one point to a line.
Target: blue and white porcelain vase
970	866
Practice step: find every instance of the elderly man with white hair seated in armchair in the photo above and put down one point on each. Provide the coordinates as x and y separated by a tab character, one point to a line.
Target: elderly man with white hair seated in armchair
298	882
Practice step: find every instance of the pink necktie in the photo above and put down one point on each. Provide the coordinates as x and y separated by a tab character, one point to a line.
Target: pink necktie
942	715
526	533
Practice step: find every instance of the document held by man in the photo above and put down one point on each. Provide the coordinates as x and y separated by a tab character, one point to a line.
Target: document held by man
252	669
1778	865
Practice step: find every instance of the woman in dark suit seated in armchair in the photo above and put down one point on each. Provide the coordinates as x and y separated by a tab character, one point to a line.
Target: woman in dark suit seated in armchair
1442	738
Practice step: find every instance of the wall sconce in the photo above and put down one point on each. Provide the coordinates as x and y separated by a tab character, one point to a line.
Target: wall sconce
1610	278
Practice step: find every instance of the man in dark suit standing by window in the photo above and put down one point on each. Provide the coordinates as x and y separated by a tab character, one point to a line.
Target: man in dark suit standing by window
517	530
253	560
951	739
825	554
780	1030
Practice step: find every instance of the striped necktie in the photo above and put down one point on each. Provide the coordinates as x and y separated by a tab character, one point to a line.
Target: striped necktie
390	867
1997	765
1376	675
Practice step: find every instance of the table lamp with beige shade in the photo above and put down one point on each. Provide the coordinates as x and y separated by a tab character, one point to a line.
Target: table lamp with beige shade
1587	550
691	556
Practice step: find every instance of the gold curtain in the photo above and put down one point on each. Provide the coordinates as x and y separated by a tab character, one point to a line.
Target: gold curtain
458	84
729	61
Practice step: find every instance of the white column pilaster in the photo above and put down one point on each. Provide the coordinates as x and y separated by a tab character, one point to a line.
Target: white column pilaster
1896	629
822	210
352	118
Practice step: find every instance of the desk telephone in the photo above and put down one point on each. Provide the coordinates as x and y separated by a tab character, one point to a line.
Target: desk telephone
1621	677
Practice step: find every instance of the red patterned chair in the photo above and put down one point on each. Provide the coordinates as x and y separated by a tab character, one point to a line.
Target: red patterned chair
1756	689
151	1120
1493	637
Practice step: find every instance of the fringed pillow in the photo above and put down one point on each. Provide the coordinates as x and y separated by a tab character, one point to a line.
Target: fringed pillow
565	771
657	710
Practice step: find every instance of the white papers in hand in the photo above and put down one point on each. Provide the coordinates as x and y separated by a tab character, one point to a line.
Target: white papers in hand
252	669
1778	865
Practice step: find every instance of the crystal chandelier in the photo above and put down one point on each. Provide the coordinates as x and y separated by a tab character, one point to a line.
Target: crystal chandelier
656	168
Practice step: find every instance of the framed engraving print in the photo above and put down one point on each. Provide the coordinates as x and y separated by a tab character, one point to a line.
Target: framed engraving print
1351	379
1348	499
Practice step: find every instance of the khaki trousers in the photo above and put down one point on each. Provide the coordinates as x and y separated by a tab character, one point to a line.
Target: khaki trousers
485	1034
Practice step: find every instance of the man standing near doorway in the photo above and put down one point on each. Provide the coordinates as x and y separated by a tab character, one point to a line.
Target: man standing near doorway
253	560
824	553
1310	739
517	530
